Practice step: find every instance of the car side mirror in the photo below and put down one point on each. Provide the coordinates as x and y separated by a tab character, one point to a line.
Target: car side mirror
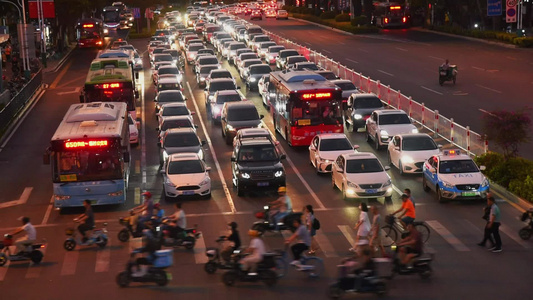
204	143
439	146
223	119
195	126
355	147
233	158
137	75
193	112
283	156
205	89
136	94
387	168
155	100
126	157
159	144
208	169
482	168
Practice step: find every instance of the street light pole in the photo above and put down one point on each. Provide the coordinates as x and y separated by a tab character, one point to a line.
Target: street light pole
25	59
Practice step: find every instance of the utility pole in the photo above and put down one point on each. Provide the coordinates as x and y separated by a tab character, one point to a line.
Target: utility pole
24	44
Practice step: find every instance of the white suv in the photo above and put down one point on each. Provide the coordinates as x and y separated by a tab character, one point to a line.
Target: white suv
384	124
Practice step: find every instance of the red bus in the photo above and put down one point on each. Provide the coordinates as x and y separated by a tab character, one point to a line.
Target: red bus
303	104
389	14
90	33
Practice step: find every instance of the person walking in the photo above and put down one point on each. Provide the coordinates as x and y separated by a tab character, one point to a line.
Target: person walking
362	226
494	224
487	234
7	51
375	231
309	220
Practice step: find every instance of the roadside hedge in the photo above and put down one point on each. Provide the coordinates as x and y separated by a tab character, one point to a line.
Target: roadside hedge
342	18
328	15
510	38
359	21
345	26
515	174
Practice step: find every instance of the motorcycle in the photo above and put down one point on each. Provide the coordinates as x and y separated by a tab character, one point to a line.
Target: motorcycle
125	233
526	232
155	273
187	238
421	265
268	224
31	252
265	271
449	74
361	283
215	260
98	237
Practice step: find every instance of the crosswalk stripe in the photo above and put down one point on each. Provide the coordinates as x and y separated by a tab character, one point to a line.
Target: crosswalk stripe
199	251
70	262
348	234
3	271
447	235
102	258
325	245
514	235
34	270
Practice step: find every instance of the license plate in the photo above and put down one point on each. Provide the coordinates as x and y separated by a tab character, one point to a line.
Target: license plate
188	192
467	194
169	276
93	202
371	191
443	73
263	184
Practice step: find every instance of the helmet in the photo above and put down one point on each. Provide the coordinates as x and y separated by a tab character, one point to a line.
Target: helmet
282	189
233	225
253	233
147	194
157	206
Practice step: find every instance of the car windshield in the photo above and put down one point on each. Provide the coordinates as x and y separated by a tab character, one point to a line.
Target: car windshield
168	86
181	123
296	59
163	57
394	119
345	86
369	165
195	47
247	113
175	111
262	69
266	45
221	99
189	139
170	97
328	75
255	30
258	153
246	56
250	62
206	69
159	50
457	166
208	61
367	103
237	46
221	85
185	167
420	143
335	144
225	74
165	71
206	51
223	36
173	53
275	49
290	53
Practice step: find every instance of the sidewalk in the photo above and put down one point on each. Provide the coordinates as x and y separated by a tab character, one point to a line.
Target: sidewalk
53	65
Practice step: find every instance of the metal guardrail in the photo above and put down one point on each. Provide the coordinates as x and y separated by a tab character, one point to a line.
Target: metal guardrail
440	126
17	103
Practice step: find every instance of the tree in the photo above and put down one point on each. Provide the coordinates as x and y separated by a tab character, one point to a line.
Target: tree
508	129
357	8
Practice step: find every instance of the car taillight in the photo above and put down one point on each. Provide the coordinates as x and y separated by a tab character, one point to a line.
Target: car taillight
404	19
386	20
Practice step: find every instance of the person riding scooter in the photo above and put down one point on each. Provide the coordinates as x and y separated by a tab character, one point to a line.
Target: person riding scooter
233	242
87	218
28	239
150	246
281	207
256	250
178	221
145	211
411	246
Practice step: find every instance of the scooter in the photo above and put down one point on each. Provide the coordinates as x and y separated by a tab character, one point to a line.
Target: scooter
98	237
361	283
267	224
125	233
421	265
32	252
526	232
187	238
156	272
265	272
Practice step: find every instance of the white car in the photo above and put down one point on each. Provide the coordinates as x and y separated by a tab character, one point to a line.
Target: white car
171	110
175	122
221	97
408	152
272	52
326	147
361	175
134	130
186	175
386	123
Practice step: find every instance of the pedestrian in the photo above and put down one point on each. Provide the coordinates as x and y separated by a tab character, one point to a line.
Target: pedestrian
309	220
487	234
494	224
8	52
4	57
362	226
408	193
375	231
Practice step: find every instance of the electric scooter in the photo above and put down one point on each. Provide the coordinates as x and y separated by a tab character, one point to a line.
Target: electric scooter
31	252
98	237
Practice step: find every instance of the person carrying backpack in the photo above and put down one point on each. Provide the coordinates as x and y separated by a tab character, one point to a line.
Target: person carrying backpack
312	224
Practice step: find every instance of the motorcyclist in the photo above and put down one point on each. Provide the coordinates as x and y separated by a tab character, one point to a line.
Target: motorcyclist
256	250
145	210
411	246
303	243
159	213
28	239
178	221
446	65
234	242
362	266
150	246
87	218
281	207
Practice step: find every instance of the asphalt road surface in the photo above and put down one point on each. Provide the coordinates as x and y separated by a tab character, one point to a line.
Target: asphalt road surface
462	270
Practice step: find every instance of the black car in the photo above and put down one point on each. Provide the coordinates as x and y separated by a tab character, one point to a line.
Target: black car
256	164
360	107
238	115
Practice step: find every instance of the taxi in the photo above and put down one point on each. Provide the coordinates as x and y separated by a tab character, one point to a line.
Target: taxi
453	175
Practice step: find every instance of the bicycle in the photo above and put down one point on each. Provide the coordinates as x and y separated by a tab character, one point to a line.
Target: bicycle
394	226
312	265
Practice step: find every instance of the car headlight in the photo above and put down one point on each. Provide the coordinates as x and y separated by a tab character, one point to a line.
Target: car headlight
61	197
485	182
260	125
270	57
357	116
106	31
252	79
230	128
169	182
447	184
323	160
351	184
205	181
278	173
200	154
414	130
219	66
202	78
384	133
211	97
134	133
245	175
407	159
216	110
389	182
165	155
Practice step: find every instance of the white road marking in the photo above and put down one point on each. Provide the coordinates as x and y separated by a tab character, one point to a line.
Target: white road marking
102	258
437	58
386	73
22	200
428	89
348	233
70	261
324	50
351	60
48	211
447	235
34	270
488	88
514	235
363	50
402	49
478	68
199	251
324	244
143	132
137	196
3	271
308	43
210	144
76	90
342	43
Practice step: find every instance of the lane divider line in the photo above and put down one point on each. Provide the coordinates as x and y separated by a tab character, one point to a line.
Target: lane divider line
324	244
199	251
447	236
102	258
70	261
48	211
143	132
60	75
348	233
514	236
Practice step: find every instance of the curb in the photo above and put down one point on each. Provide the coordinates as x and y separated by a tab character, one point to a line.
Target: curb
510	197
62	61
467	38
322	25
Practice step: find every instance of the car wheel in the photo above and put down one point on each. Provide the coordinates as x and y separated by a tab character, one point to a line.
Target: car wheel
240	191
344	197
424	184
316	168
400	167
333	185
368	138
376	143
390	158
440	197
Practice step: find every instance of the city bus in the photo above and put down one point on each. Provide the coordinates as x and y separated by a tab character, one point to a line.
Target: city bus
303	104
89	155
390	14
110	80
111	17
90	33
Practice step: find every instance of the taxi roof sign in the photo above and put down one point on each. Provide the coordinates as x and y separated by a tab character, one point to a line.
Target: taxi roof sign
452	152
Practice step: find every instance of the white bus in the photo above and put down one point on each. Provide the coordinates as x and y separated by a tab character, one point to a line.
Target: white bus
89	155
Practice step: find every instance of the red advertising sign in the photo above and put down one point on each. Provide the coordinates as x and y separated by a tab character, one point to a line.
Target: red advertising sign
49	10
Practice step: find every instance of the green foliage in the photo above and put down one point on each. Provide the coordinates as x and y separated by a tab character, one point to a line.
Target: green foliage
507	129
342	18
328	15
510	38
360	21
339	25
524	42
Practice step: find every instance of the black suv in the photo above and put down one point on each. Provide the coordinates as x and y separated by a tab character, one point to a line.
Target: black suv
256	164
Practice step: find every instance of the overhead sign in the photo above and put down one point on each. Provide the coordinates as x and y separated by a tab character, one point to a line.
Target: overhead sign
494	8
49	10
510	11
136	12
